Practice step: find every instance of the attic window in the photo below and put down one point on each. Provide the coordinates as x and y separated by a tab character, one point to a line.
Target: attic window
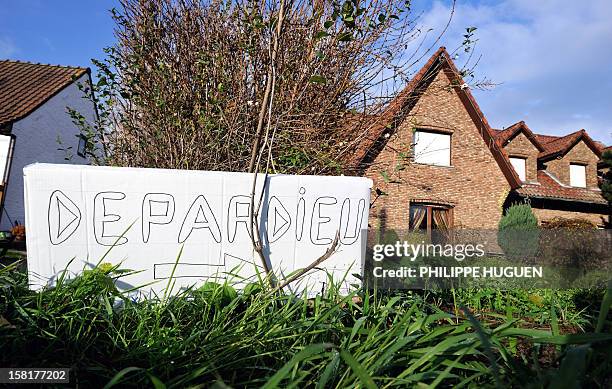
577	175
432	148
519	166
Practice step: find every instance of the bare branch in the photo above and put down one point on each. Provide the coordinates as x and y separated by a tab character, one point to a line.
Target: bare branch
330	251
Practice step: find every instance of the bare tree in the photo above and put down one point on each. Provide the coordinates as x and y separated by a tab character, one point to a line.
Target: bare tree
244	85
187	84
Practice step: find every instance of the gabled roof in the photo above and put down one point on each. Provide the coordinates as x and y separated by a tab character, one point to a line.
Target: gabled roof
550	146
549	187
547	138
399	106
503	136
600	145
392	111
561	145
25	86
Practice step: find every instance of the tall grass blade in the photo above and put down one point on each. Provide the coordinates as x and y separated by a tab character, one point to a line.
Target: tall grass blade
486	343
115	243
330	369
572	368
306	353
119	376
170	285
359	371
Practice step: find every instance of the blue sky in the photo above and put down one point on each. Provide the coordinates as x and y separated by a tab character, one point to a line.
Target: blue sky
65	32
551	59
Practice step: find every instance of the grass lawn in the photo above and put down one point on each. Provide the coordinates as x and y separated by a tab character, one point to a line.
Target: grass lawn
219	336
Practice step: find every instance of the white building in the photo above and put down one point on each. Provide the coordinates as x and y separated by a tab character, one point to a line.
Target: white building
35	125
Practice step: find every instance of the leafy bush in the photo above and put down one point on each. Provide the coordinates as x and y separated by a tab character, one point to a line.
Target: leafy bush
518	232
574	246
573	223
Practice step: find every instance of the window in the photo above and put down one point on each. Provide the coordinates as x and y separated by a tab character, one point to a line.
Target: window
418	217
432	148
578	175
82	146
6	150
519	166
428	218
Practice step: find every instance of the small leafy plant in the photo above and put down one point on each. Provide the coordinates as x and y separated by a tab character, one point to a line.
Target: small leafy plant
518	232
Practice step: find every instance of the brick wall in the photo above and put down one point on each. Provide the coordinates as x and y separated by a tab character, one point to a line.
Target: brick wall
474	185
521	146
580	153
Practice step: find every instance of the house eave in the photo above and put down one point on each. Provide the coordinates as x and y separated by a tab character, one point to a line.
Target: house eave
541	197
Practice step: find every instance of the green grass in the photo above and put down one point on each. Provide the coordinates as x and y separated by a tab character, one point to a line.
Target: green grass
219	336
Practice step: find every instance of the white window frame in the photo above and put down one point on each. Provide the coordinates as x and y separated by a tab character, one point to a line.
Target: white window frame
432	148
520	167
7	143
578	175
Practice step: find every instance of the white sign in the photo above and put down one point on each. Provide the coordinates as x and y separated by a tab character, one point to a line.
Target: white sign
145	217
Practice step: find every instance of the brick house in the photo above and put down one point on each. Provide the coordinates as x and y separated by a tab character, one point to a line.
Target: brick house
439	164
560	178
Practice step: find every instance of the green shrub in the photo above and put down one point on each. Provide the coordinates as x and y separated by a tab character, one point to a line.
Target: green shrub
575	247
518	216
570	223
518	232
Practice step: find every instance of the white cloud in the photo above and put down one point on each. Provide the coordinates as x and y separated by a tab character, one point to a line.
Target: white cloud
7	48
551	58
48	43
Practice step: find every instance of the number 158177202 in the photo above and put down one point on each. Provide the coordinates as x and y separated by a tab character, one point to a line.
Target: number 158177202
34	375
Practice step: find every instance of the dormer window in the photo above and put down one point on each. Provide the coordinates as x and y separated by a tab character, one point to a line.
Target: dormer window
577	175
519	165
432	148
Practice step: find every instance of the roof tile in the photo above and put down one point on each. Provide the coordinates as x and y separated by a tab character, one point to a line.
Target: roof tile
25	86
503	136
563	144
551	189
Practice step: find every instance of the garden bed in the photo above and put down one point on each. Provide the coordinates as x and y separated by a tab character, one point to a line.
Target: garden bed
255	338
